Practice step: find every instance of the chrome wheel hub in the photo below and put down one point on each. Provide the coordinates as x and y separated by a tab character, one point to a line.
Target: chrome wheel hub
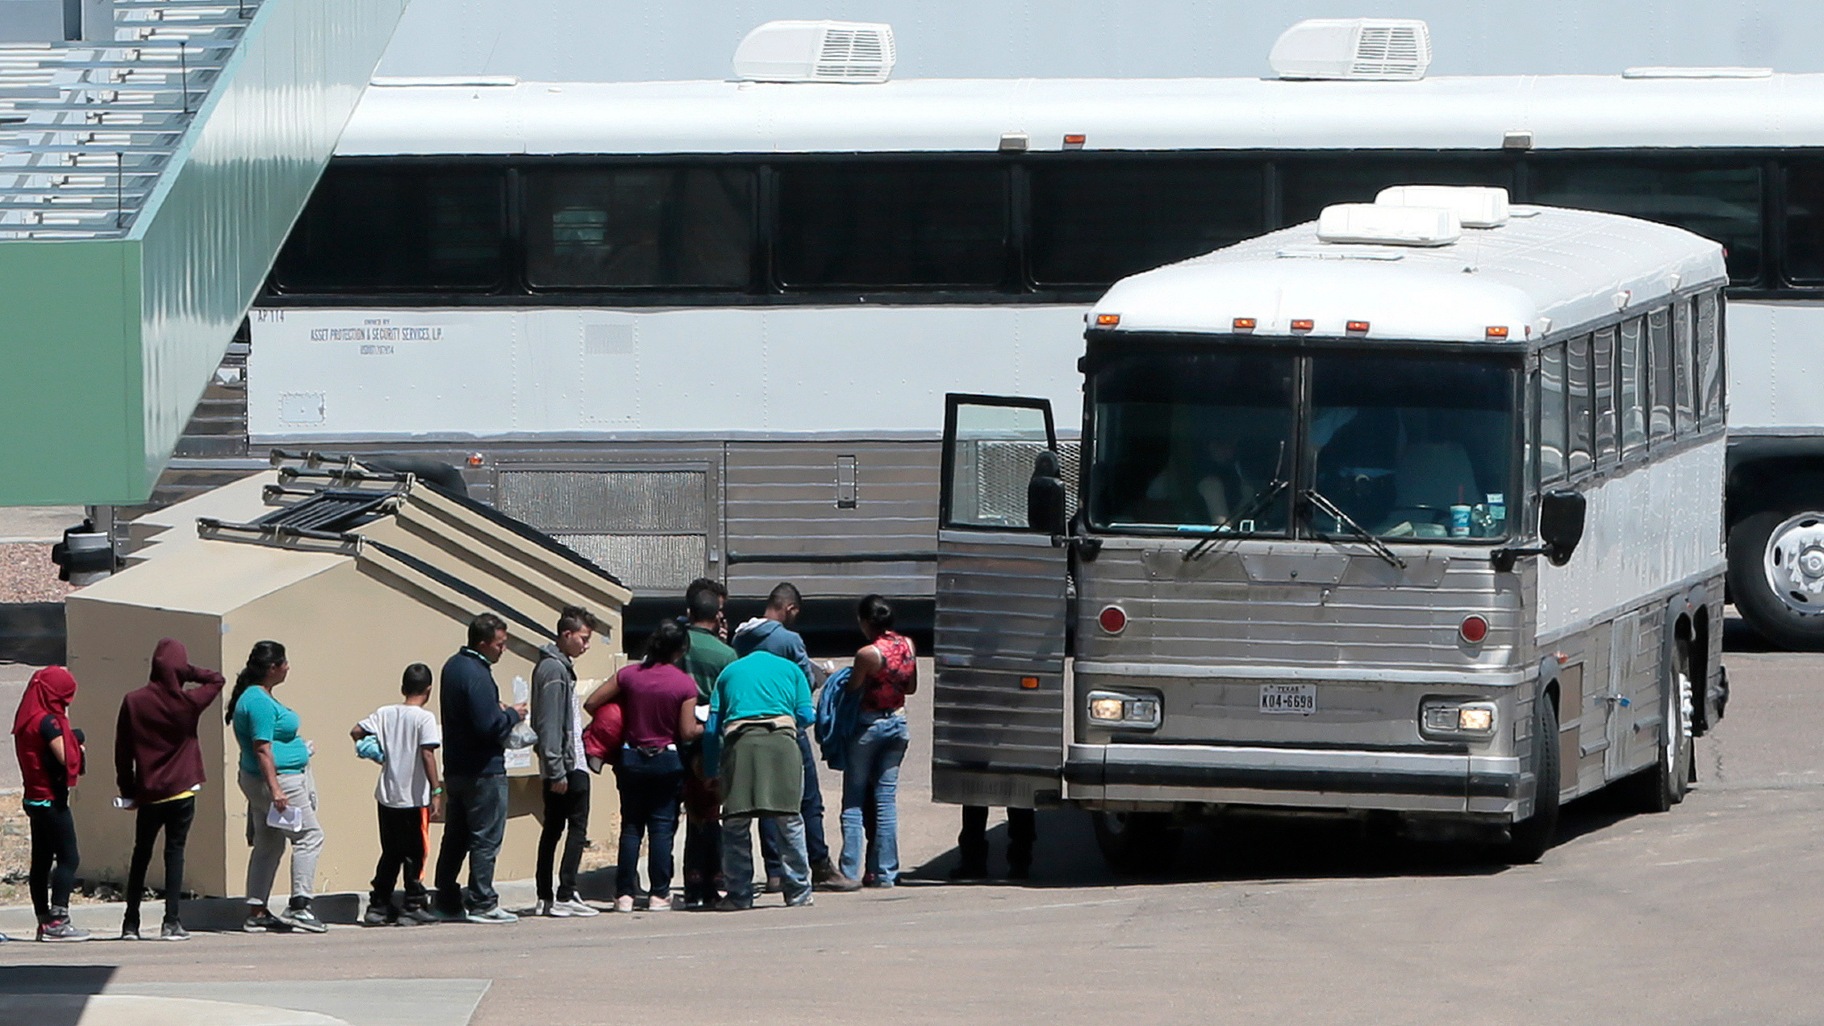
1794	563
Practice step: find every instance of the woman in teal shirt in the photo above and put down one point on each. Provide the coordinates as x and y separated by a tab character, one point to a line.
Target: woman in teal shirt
281	796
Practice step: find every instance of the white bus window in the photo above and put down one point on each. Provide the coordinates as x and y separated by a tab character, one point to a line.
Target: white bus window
1633	381
1684	354
1093	223
1396	441
868	224
1552	424
1602	356
1579	409
1665	375
1709	382
1719	201
1193	441
623	227
1308	184
1805	222
403	229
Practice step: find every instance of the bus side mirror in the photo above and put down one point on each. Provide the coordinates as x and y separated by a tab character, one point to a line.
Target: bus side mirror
1561	515
1045	496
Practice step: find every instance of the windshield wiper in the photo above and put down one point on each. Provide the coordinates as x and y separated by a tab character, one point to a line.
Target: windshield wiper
1248	509
1332	510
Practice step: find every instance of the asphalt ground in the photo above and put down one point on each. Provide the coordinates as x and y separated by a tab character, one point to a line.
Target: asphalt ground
1706	914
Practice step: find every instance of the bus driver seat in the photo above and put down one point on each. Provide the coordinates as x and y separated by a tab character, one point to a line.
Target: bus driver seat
1431	477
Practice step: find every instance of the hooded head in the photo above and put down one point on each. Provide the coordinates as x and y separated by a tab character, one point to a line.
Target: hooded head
170	663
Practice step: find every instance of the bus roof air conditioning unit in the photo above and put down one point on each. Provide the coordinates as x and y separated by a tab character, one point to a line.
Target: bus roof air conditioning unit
1358	49
816	51
1476	206
1376	225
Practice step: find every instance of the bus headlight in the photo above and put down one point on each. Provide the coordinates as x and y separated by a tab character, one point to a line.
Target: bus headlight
1113	709
1451	718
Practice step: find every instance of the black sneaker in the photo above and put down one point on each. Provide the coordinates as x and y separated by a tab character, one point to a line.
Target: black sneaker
61	931
261	920
306	920
377	915
418	916
129	930
172	930
733	904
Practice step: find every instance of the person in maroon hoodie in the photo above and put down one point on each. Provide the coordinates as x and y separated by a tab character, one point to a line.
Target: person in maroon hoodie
158	766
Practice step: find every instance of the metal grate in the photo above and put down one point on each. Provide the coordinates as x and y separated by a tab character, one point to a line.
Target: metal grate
1002	469
644	562
606	501
87	128
329	510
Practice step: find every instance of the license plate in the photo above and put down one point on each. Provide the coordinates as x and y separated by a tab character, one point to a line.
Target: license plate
1288	698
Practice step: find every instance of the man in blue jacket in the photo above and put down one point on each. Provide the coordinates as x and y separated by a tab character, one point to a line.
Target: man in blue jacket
772	632
476	724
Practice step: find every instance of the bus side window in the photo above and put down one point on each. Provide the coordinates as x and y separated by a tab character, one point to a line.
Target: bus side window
1665	374
1552	424
1709	395
1805	222
1684	355
1633	390
1579	410
1603	375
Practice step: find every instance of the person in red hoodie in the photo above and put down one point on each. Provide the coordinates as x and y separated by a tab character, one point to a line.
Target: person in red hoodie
50	760
158	766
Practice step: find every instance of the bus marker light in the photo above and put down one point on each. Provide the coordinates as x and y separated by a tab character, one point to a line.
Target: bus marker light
1029	683
1497	331
1112	619
1244	324
476	459
1358	326
1302	325
1473	629
1074	140
1107	320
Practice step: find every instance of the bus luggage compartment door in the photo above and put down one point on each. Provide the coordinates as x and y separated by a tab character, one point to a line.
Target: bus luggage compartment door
998	723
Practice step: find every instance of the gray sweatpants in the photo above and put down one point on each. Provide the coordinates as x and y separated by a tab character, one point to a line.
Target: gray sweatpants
269	842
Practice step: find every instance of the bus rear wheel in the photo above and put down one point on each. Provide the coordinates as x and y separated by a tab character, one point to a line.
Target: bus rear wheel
1137	843
1776	576
1529	838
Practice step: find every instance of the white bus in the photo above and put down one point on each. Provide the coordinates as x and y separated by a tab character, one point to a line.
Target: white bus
1390	514
706	327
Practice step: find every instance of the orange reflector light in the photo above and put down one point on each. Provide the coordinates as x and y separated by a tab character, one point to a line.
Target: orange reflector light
1244	324
1497	331
475	459
1107	320
1029	683
1302	325
1074	139
1357	325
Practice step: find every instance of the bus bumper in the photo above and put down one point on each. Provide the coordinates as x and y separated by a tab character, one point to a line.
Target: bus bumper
1327	779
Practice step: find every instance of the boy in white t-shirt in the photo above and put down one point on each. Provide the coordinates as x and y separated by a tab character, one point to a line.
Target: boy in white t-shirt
410	797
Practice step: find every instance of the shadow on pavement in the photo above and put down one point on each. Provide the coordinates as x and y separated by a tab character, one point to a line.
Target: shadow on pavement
1739	637
81	980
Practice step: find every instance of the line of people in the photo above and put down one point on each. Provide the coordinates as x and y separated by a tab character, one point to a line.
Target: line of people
713	725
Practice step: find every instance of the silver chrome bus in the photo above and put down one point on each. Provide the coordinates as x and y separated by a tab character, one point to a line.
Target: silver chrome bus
1415	510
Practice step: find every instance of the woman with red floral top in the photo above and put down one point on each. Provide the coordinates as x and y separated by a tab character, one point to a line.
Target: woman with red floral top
886	671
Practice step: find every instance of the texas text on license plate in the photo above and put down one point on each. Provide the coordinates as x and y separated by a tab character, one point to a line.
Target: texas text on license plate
1288	698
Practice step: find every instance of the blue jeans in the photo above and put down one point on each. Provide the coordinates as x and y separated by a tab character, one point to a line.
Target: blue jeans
738	857
872	778
474	823
649	805
810	808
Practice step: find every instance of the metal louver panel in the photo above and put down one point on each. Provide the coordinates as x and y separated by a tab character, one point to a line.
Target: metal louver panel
606	501
1391	52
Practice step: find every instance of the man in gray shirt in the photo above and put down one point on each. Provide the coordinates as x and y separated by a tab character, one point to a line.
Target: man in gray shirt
557	717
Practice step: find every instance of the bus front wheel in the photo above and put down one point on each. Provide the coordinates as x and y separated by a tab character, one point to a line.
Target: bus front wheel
1530	837
1137	843
1776	576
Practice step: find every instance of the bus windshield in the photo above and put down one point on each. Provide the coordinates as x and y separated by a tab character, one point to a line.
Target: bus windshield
1405	446
1193	442
1411	446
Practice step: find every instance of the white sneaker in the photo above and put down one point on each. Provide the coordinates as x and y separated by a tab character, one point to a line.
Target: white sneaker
657	903
624	903
573	907
548	908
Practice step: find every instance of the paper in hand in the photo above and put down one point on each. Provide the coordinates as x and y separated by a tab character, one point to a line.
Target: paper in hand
292	818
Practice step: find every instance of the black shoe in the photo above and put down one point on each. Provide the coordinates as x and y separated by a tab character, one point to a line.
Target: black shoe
261	920
823	870
734	905
968	872
418	916
377	915
172	930
1019	872
129	929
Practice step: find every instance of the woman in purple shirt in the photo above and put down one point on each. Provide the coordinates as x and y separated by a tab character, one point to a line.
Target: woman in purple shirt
658	713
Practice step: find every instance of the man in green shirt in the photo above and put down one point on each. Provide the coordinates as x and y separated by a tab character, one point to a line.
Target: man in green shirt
759	704
705	659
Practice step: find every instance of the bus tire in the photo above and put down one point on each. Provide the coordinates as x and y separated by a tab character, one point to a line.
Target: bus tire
1664	785
1754	561
1137	843
1529	838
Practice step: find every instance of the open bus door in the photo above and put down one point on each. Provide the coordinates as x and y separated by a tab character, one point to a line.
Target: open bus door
998	731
